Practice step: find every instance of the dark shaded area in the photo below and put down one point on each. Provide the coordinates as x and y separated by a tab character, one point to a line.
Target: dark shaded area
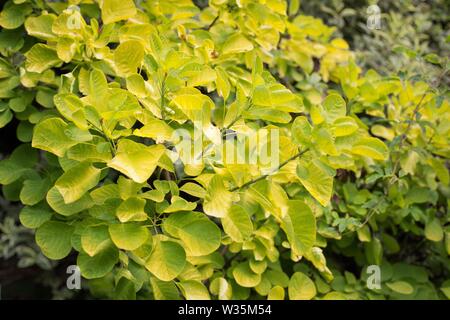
8	139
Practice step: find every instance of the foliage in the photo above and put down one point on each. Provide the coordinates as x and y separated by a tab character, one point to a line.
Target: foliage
102	92
409	29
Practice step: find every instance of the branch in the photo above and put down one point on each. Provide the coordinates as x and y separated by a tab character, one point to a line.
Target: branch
245	185
372	211
405	136
212	23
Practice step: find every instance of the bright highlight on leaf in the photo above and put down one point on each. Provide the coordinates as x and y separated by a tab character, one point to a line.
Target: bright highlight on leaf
167	259
136	160
301	287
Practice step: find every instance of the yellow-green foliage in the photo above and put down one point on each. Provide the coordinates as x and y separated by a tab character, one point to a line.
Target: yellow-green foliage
102	89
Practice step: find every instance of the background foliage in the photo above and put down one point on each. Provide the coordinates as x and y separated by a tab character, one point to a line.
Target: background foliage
365	149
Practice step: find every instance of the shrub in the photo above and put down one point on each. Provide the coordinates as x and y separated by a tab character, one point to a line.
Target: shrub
191	151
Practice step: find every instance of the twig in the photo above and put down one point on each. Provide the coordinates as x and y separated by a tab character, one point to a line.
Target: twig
245	185
396	164
212	23
405	136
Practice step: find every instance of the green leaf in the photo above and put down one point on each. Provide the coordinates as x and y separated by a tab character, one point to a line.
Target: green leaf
276	293
40	58
194	105
104	193
245	277
136	160
128	57
69	24
127	188
237	224
132	209
34	217
383	132
294	5
41	26
163	290
316	180
199	75
57	203
335	107
125	290
194	290
97	88
402	287
277	278
222	84
24	131
116	10
13	15
258	266
5	118
301	287
374	251
433	230
167	260
432	58
299	224
78	180
93	152
199	235
193	189
154	195
324	141
49	135
334	295
301	130
441	170
317	258
236	43
155	129
221	288
372	148
25	156
136	85
99	265
267	114
34	191
128	236
94	239
19	104
344	126
277	96
179	204
71	108
445	288
54	239
10	171
218	199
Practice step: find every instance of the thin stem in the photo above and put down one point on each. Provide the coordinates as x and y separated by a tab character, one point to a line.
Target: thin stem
396	164
163	94
247	106
405	136
245	185
212	23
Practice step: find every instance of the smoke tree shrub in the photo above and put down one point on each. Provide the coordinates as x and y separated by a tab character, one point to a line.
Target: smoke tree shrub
187	152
